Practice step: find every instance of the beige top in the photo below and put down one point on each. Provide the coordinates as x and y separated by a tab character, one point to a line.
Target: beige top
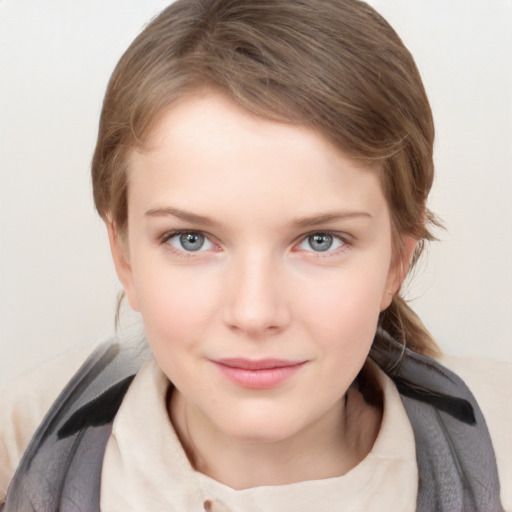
386	480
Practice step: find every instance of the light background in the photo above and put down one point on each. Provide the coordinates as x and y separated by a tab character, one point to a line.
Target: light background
57	283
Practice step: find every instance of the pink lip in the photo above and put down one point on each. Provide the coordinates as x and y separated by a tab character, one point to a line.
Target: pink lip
258	374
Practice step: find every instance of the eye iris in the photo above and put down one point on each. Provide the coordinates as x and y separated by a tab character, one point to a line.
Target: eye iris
192	241
320	241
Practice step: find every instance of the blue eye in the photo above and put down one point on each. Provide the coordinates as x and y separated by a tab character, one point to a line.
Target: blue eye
321	242
191	241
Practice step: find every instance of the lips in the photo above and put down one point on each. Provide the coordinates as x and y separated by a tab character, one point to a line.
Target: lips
258	374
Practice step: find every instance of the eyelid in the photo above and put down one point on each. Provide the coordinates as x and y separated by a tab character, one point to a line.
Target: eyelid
168	235
173	232
345	238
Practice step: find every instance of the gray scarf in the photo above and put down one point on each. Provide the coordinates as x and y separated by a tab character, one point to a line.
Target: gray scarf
61	469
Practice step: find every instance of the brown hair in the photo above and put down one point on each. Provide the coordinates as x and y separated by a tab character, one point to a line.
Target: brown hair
334	65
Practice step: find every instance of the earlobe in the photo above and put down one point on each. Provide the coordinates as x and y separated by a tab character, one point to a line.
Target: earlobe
120	255
398	271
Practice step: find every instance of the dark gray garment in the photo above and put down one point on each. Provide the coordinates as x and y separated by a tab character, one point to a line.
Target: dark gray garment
61	469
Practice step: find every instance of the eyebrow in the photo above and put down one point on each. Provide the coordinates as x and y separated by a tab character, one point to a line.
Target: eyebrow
301	222
194	218
326	218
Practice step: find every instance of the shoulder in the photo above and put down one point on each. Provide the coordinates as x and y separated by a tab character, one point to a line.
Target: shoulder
490	381
23	404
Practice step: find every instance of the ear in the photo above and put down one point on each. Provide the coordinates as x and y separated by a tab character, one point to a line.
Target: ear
120	255
398	270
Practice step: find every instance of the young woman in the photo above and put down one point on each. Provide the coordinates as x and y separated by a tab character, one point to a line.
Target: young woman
263	170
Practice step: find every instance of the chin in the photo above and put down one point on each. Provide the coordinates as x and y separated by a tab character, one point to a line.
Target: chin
264	428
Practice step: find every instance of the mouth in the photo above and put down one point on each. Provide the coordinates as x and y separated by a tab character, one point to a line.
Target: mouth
258	374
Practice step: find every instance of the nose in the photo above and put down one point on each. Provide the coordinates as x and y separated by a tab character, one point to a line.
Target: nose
257	303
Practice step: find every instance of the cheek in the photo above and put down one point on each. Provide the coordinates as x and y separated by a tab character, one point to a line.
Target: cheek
175	303
352	291
343	308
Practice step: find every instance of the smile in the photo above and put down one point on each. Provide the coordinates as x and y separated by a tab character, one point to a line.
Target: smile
260	374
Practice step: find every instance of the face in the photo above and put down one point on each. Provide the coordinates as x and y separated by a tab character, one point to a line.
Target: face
259	257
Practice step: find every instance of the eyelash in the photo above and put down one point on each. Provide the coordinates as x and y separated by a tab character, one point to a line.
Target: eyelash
343	237
164	239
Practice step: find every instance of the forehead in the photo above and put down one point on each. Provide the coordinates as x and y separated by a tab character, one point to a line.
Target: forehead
205	149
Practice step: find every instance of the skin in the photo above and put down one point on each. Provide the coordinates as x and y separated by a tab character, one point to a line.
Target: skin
258	288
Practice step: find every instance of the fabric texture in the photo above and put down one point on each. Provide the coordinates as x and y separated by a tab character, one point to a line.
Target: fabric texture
384	481
447	422
68	446
456	460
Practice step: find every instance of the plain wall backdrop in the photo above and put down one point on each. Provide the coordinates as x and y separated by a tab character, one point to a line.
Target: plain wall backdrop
57	283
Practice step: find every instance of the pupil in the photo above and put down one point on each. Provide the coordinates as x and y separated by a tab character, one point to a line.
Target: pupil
320	241
192	241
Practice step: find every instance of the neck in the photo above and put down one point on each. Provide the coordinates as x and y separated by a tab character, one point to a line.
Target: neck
329	447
